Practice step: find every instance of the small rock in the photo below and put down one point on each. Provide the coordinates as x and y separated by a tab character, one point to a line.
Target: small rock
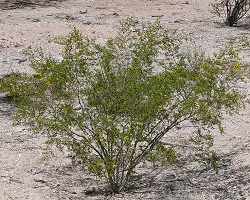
158	16
90	191
83	12
178	21
36	20
67	154
7	179
39	181
72	192
168	177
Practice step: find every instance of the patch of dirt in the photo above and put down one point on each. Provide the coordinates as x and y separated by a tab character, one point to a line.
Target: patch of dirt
28	24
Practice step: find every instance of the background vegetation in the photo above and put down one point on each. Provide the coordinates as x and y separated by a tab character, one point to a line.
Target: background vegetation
234	10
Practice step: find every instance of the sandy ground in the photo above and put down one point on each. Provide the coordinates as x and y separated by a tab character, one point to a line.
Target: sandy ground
22	173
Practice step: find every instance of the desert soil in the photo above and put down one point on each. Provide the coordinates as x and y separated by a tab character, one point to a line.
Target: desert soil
29	24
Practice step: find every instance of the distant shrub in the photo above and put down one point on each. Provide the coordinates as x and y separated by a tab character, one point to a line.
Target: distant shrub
234	10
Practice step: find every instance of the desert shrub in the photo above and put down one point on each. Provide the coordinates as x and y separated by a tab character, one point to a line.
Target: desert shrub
234	10
112	104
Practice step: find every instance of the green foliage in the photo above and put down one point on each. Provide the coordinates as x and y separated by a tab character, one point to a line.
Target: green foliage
234	10
112	104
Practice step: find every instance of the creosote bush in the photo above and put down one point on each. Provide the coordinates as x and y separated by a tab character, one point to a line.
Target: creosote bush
234	10
113	104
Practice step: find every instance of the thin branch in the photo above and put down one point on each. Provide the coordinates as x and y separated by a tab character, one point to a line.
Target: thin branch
175	144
